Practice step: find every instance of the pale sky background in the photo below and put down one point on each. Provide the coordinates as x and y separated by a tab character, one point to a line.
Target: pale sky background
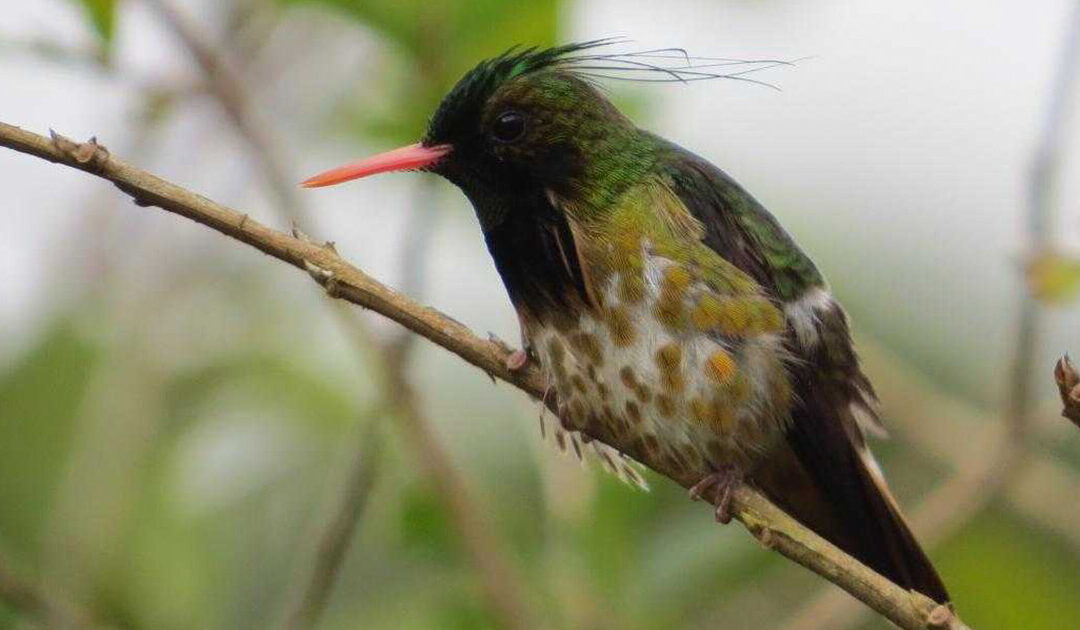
897	156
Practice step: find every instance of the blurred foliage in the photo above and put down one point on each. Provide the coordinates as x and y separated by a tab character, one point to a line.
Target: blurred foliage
167	493
434	43
39	403
102	17
1010	575
1053	277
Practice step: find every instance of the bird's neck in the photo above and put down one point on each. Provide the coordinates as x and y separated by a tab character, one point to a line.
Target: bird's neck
612	161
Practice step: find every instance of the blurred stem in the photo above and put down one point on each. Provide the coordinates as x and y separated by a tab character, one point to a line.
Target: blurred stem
228	88
339	531
503	587
1068	381
89	58
95	496
414	254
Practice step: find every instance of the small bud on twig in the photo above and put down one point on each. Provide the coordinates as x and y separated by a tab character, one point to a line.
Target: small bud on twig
1068	382
939	617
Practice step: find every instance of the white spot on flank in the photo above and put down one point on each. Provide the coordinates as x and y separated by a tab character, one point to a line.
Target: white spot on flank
802	314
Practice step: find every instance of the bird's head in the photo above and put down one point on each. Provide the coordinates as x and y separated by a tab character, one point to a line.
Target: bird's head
515	124
529	120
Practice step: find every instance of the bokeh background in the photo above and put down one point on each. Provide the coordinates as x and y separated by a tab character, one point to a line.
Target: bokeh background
192	434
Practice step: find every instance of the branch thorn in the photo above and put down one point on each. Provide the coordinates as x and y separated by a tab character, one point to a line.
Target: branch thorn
89	152
299	234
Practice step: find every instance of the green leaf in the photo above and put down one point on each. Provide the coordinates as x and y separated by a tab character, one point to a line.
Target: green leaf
465	614
1004	573
449	37
102	16
435	44
39	404
1053	277
193	549
425	527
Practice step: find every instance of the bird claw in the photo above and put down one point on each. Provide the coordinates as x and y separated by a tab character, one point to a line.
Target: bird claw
517	360
721	485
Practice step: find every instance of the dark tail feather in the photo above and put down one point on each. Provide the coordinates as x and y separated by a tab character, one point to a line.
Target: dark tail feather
821	478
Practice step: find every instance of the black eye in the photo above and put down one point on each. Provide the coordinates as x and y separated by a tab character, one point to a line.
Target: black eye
508	126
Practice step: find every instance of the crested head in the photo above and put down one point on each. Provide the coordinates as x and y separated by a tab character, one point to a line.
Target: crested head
531	121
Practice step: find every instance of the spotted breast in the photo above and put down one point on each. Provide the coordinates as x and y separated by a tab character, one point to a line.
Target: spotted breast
678	357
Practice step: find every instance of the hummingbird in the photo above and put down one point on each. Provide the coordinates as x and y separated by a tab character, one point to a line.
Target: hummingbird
675	319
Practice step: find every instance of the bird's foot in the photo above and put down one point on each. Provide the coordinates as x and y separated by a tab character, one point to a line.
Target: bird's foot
516	359
721	485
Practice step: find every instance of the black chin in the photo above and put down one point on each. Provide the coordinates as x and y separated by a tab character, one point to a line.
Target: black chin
529	240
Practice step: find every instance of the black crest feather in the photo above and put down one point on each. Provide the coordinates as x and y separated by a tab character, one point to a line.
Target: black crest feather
662	65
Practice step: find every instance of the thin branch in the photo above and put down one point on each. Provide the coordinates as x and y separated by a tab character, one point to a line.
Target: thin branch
772	527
